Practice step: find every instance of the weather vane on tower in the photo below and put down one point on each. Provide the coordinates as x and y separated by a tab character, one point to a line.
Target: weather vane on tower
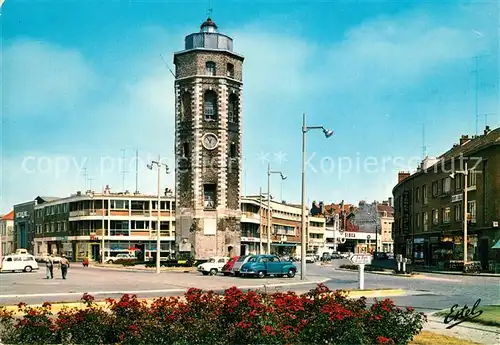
209	9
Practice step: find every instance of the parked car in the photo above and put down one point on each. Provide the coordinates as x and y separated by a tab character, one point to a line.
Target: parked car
237	265
310	259
18	262
212	266
336	256
112	259
227	270
264	265
382	256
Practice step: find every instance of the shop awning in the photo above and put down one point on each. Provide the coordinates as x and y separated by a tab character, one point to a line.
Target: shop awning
497	245
284	244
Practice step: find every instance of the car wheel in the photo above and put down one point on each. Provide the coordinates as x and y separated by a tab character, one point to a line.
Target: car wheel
261	274
291	273
213	271
28	269
110	261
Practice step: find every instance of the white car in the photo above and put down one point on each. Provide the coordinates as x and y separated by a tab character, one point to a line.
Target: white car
237	265
19	262
212	266
112	259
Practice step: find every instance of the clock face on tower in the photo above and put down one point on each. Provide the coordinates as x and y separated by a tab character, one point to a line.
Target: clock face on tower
210	141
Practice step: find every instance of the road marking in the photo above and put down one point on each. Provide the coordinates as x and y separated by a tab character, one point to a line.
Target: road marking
153	291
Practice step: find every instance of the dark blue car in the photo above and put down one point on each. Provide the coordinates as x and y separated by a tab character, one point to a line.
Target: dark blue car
264	265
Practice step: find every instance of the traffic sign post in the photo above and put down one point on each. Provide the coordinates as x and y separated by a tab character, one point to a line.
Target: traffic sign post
361	260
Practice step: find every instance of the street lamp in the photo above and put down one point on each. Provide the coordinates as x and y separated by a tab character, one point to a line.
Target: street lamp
465	172
376	220
158	165
283	177
328	133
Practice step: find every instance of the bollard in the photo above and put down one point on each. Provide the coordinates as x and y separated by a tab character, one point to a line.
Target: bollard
399	266
361	276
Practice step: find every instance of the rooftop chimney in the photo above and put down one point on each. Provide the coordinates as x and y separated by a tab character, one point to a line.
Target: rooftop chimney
390	201
487	130
464	139
403	175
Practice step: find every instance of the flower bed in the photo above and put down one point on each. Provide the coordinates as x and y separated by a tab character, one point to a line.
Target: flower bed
236	317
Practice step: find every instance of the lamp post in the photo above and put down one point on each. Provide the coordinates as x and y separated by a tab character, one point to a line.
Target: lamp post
465	172
303	243
158	165
283	177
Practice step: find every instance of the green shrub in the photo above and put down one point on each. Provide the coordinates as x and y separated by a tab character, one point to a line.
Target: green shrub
235	317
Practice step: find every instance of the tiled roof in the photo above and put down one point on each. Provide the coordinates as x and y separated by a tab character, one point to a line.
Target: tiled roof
336	208
474	145
9	216
386	208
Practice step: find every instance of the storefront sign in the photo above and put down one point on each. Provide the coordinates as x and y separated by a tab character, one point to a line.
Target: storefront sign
406	211
249	239
22	214
457	197
495	224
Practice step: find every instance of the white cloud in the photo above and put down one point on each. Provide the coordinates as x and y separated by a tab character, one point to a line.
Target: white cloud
40	76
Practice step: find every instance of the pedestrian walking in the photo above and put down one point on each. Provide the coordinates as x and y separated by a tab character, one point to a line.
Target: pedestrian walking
85	262
64	263
49	264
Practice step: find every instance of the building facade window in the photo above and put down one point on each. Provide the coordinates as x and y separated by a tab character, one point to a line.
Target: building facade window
447	185
230	70
417	220
209	196
417	195
435	189
458	212
232	109
119	204
232	150
210	106
471	178
471	211
210	68
435	216
459	181
425	221
424	195
446	214
185	150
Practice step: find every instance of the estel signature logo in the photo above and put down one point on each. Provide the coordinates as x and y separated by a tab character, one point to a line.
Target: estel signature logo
462	315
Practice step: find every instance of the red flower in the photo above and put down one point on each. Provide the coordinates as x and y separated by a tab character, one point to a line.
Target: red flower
383	340
46	305
410	309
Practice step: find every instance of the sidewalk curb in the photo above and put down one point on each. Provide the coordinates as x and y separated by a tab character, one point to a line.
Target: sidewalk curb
146	269
492	275
384	273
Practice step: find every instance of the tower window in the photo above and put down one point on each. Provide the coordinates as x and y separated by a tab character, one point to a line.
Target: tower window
210	106
230	70
185	150
232	109
209	194
232	150
185	106
210	68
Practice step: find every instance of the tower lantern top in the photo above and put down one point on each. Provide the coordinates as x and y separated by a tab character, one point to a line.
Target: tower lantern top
208	38
209	26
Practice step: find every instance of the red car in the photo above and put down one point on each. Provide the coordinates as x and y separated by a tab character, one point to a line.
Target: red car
227	270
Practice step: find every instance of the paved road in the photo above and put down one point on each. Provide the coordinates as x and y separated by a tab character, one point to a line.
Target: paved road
103	283
429	293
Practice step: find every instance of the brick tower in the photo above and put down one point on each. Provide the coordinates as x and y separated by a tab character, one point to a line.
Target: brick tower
208	130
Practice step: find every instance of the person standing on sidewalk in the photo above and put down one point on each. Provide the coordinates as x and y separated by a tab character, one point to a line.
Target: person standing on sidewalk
64	263
49	263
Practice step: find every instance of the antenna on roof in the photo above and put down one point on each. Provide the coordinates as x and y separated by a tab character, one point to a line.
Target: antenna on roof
166	64
124	171
424	148
85	177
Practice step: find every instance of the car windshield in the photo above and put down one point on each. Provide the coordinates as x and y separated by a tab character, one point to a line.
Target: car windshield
242	258
211	260
252	259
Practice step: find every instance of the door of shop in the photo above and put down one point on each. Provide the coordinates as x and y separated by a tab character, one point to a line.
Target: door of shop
95	250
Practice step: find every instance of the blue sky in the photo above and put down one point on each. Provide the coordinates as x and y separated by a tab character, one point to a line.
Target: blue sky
82	81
